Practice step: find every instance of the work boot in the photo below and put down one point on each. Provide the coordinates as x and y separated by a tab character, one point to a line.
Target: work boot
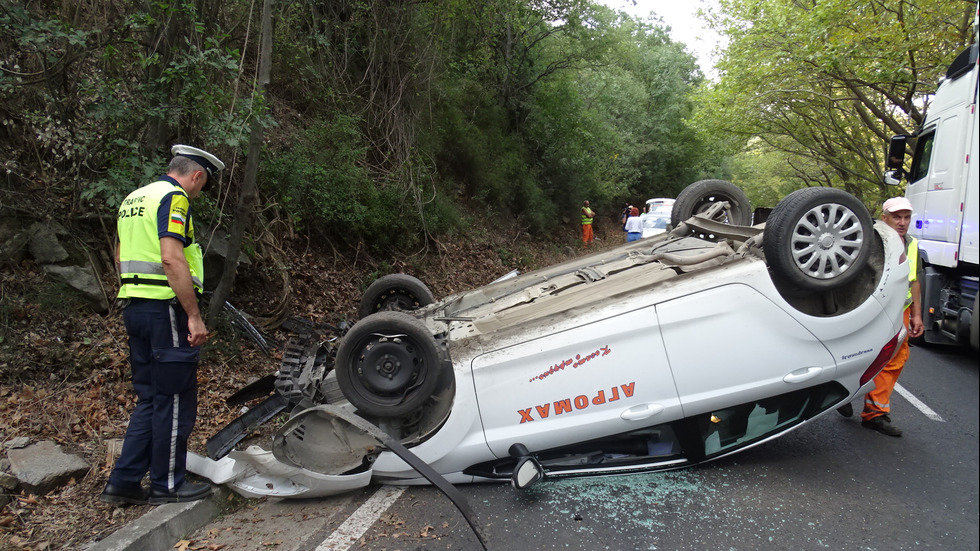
123	495
846	410
188	491
882	425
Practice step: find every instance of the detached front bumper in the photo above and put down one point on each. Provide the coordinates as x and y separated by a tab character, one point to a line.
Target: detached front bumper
256	472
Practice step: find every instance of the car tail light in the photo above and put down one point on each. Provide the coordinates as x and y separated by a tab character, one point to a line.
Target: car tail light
884	356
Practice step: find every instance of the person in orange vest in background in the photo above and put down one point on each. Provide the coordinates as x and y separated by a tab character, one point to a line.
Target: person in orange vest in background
587	215
897	213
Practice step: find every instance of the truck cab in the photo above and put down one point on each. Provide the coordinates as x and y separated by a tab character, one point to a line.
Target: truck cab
943	189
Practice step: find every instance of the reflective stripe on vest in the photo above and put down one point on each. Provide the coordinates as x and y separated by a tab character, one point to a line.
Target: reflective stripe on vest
912	253
141	266
588	219
152	269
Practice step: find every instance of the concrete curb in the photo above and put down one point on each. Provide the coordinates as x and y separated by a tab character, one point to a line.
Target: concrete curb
164	526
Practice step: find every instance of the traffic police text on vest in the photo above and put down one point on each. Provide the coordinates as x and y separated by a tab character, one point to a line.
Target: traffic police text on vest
139	257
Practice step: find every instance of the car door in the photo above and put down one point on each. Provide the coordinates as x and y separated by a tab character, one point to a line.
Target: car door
733	349
572	384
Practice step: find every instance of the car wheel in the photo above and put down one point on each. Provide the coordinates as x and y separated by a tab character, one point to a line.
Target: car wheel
394	292
818	238
699	196
388	364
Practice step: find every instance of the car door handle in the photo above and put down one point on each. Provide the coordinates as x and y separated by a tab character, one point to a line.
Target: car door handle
801	375
642	411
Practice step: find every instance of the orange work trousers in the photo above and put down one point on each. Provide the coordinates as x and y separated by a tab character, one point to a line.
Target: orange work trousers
878	401
587	236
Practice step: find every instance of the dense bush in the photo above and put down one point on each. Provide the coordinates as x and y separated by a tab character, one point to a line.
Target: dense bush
322	182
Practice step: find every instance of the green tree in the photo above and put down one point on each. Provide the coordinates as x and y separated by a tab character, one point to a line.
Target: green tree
826	82
643	92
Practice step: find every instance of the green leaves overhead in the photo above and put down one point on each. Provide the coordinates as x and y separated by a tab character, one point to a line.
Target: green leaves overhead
824	83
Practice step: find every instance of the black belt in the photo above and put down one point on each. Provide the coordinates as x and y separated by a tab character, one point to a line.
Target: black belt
135	280
124	302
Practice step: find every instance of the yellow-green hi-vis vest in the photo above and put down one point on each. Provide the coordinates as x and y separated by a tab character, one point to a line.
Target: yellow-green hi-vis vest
912	253
141	265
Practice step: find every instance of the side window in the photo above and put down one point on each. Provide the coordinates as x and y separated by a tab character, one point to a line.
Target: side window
922	157
737	426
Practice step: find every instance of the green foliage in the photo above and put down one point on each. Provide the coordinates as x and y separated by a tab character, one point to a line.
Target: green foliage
765	174
596	109
474	152
569	148
643	94
823	84
442	216
126	169
97	98
323	183
391	122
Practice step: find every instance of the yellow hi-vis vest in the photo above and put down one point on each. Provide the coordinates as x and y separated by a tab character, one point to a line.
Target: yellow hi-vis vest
912	253
141	265
588	219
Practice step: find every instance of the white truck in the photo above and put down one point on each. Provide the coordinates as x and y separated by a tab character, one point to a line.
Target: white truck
942	187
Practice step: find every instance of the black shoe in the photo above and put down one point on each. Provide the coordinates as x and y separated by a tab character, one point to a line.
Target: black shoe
882	425
846	410
123	495
188	491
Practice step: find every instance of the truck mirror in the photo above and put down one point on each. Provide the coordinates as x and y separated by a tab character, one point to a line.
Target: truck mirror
893	177
896	152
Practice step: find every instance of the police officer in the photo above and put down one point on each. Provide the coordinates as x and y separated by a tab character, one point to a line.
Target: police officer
162	273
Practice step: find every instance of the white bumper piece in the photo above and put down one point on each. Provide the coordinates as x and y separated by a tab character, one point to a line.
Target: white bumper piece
255	472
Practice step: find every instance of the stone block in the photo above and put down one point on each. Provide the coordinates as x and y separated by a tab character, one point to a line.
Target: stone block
43	467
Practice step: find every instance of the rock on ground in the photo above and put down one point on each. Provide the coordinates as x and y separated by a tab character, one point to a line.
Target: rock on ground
43	467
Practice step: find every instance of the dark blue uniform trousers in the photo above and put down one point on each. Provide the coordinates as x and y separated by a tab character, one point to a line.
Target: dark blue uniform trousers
164	369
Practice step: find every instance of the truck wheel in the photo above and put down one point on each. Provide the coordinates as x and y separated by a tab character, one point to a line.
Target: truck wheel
394	292
699	196
388	364
818	238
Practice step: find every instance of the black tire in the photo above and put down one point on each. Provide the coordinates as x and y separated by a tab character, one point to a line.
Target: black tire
399	292
388	364
818	238
699	196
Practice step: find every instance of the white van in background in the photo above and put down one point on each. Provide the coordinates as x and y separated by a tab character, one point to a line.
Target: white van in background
655	221
656	217
659	202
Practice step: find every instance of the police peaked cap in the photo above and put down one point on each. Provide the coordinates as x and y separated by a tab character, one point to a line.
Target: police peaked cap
209	162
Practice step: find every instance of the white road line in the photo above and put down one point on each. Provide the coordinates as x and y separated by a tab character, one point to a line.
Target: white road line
354	527
918	404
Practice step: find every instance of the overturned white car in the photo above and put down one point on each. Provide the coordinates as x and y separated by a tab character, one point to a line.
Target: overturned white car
682	348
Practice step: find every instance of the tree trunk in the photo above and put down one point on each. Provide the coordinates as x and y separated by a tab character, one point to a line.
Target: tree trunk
246	200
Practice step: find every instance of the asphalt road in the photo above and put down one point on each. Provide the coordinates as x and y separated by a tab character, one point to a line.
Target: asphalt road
829	485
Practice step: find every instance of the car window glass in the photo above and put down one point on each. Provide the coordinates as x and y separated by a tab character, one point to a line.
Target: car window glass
735	426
